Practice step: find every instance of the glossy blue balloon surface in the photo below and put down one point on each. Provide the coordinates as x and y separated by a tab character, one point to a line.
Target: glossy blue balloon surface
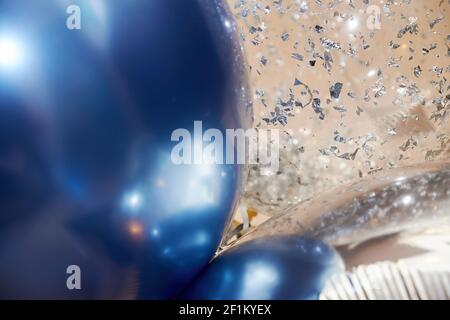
86	118
271	268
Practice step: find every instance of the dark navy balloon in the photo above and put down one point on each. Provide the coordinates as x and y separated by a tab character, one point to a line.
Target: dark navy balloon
86	117
271	268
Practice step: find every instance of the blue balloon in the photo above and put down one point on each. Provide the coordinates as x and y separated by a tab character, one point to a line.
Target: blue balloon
92	205
271	268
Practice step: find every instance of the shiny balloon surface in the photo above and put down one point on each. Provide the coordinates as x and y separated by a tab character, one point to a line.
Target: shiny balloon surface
271	268
86	117
393	201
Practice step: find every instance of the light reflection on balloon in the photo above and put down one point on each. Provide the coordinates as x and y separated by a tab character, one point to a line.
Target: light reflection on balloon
260	279
194	186
11	52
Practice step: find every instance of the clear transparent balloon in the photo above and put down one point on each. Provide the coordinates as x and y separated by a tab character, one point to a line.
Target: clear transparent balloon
356	87
395	201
